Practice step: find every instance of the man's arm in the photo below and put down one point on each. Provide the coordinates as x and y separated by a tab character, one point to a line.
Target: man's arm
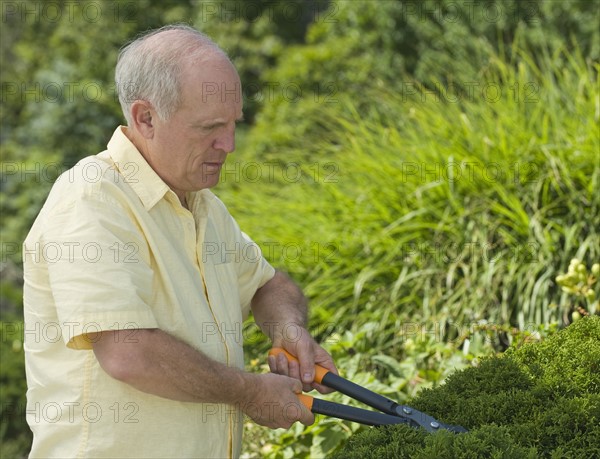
280	310
157	363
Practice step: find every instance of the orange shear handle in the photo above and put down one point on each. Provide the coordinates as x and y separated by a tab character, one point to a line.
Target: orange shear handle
320	371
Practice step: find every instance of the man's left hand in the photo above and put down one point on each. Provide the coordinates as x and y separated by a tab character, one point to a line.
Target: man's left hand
308	353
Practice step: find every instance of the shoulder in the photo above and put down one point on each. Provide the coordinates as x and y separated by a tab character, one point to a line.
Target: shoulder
93	177
91	194
92	186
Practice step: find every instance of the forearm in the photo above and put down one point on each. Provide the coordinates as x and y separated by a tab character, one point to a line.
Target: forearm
160	364
155	362
280	308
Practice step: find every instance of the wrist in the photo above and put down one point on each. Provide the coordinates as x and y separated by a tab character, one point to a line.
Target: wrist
251	387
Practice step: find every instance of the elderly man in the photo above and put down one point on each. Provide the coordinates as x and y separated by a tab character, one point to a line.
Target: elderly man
137	280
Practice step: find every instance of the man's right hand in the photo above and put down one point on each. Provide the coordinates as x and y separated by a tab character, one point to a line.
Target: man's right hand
273	401
157	363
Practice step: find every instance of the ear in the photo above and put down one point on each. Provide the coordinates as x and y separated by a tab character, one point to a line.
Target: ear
141	118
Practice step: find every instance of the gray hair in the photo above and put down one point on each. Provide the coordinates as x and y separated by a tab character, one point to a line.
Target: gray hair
149	68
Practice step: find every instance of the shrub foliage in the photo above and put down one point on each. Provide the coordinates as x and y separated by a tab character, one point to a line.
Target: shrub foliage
539	400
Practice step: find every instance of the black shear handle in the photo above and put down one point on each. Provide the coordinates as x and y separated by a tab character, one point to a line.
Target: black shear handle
350	413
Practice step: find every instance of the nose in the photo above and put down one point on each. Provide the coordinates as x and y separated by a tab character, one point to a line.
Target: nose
225	141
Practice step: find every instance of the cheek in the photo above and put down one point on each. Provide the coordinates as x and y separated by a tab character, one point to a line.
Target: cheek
173	144
165	138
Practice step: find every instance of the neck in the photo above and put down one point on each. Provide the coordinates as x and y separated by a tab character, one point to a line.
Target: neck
137	141
183	200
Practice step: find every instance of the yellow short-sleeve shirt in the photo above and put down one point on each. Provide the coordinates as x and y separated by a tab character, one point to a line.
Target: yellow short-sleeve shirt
113	248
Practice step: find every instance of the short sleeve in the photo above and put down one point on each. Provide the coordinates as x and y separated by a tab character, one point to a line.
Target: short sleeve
98	269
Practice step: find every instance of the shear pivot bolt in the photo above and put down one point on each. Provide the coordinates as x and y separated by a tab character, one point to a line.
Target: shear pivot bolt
407	410
435	425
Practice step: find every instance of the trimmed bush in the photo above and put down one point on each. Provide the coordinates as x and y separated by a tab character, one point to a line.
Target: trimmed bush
540	400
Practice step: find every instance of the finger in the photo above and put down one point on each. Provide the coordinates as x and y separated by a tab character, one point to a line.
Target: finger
272	364
303	413
297	387
306	357
321	388
325	360
329	365
282	365
306	416
294	370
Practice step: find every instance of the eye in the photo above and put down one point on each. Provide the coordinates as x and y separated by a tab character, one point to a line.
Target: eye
209	127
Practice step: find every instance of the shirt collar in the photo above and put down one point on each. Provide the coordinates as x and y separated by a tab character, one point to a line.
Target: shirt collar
136	171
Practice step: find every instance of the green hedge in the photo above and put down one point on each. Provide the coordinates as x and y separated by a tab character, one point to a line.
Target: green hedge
540	400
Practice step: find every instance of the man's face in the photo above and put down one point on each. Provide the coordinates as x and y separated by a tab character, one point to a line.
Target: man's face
188	150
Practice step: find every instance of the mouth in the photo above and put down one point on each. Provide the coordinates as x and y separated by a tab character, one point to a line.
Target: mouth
212	167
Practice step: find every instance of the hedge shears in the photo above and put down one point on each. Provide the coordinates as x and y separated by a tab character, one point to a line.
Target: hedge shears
391	412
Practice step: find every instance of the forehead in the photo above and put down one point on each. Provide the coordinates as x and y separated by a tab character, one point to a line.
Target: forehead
211	83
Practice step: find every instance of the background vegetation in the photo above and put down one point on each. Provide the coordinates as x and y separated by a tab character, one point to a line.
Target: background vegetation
428	169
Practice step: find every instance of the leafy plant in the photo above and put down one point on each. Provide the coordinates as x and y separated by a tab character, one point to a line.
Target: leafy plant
15	436
580	282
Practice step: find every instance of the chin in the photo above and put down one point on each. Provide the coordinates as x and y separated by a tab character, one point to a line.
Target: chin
208	183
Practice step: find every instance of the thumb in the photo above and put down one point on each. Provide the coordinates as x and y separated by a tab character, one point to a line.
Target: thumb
296	386
306	416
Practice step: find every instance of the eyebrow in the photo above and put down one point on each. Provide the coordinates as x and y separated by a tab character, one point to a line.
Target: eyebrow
220	121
